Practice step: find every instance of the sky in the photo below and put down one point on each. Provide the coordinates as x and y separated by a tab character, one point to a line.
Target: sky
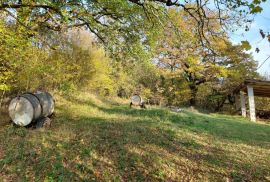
261	21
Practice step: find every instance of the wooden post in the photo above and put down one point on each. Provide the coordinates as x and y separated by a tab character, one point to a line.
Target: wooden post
243	104
251	103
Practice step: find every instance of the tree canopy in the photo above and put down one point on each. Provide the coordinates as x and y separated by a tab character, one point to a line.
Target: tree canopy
126	18
166	50
183	59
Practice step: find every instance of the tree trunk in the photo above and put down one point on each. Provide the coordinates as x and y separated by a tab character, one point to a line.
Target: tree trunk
194	89
220	104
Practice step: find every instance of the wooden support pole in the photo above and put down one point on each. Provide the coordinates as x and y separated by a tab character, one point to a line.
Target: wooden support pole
251	103
243	104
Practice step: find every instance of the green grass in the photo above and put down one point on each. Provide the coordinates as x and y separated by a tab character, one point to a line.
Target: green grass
95	140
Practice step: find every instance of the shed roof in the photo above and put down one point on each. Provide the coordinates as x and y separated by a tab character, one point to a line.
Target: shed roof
261	88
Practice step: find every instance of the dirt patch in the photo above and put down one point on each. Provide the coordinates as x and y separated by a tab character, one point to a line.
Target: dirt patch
4	117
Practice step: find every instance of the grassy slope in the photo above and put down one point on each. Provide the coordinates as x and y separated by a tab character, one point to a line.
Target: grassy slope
96	141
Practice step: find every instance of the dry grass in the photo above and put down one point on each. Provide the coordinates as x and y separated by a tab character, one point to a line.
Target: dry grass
95	140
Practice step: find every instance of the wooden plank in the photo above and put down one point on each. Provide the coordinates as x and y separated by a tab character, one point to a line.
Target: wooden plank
257	82
260	91
261	88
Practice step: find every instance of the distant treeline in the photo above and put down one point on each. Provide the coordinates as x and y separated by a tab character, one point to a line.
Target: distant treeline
168	65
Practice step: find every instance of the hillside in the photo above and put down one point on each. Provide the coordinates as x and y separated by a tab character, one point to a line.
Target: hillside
96	140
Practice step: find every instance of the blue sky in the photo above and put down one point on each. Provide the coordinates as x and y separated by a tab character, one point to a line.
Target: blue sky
261	21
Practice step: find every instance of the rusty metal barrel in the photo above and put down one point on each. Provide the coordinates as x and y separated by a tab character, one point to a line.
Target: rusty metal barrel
29	107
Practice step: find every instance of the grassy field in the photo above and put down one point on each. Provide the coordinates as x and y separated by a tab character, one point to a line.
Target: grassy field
95	140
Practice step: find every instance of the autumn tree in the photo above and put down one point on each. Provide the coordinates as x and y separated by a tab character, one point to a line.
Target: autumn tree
239	67
182	55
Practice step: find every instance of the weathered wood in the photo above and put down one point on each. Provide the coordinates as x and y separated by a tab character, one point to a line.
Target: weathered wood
260	87
257	82
251	103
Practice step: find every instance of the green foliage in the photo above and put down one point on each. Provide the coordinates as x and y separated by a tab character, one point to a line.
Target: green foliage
246	45
255	8
74	64
240	66
58	60
185	64
128	25
14	49
144	51
80	64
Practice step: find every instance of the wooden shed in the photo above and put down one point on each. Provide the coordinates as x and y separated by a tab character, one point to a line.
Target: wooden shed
252	88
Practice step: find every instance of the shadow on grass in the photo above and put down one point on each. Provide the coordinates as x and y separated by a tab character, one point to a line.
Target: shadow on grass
97	149
106	149
138	150
235	129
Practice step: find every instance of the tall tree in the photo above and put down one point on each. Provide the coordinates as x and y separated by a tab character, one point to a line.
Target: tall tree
240	66
181	53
